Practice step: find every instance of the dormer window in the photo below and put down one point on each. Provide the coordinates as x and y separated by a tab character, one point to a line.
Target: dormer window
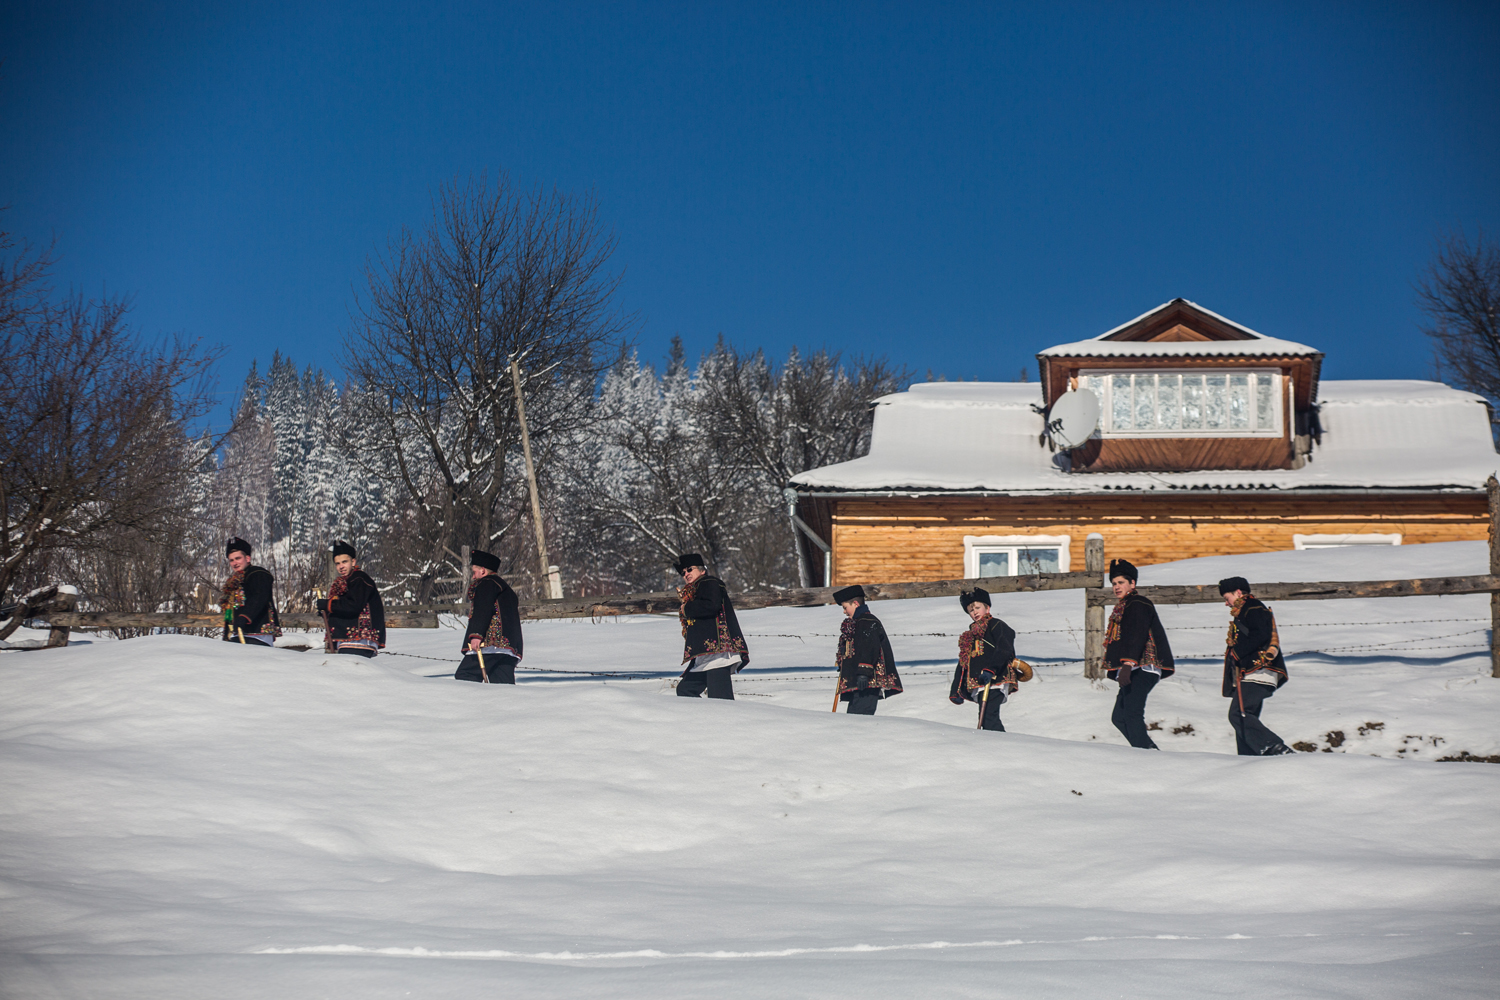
1217	402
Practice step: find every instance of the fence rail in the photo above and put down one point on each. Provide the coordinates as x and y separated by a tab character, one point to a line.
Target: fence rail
655	603
667	601
1341	590
194	619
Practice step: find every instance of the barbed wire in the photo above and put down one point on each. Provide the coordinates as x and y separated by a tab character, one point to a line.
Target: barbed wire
1079	631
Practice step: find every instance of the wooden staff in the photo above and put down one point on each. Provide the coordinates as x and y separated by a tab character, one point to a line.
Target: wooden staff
838	688
329	645
482	671
241	633
983	703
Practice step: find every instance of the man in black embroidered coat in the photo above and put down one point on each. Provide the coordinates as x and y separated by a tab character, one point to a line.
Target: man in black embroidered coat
353	609
985	652
492	642
713	645
249	611
867	667
1253	669
1136	654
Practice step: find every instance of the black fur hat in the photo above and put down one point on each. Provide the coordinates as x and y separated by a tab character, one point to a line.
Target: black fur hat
1234	583
236	544
979	594
343	548
854	593
489	562
689	559
1120	567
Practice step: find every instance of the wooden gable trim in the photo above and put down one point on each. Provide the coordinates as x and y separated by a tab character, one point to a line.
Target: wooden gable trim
1178	334
1179	313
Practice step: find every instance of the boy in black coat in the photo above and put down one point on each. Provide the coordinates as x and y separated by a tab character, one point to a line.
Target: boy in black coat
1253	668
1136	654
867	667
249	611
985	652
352	609
492	642
713	645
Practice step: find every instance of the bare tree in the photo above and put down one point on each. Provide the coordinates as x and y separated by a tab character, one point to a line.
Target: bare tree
499	274
1460	293
94	421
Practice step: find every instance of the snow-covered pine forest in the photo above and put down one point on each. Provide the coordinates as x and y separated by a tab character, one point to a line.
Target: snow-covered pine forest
652	462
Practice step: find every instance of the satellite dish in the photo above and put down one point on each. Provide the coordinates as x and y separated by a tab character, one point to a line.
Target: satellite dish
1073	418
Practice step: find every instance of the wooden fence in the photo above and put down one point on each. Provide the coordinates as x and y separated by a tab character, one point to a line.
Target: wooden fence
1096	598
60	616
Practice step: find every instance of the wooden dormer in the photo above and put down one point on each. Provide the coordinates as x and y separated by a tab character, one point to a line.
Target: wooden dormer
1183	388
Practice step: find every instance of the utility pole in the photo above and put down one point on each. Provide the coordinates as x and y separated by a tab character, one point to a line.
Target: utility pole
549	572
1492	487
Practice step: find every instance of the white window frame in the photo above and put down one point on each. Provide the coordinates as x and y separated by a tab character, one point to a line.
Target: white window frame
1302	542
975	544
1276	428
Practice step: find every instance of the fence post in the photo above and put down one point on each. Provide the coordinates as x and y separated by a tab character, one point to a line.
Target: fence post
65	601
1492	487
1093	615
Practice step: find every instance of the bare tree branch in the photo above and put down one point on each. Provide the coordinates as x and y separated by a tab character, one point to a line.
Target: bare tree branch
1460	293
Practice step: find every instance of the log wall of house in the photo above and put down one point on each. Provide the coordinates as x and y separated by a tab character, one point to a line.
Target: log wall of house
900	539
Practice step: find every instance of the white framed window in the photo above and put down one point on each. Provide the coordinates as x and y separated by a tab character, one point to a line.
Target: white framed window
1015	555
1198	403
1301	542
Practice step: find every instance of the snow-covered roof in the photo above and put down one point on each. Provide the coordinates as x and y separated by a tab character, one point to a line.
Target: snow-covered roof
1255	344
938	436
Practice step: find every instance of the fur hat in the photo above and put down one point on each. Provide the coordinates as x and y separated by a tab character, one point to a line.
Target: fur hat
343	548
236	544
689	559
979	594
1234	583
854	593
489	562
1120	567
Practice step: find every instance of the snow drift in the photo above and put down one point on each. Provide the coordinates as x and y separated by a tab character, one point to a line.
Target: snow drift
188	819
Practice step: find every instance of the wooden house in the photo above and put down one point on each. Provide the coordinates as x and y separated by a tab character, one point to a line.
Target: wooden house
1213	439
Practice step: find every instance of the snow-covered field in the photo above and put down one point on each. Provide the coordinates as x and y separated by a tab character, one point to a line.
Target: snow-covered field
187	819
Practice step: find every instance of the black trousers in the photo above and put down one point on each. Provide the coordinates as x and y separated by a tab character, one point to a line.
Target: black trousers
862	702
991	718
501	668
1130	709
1251	737
716	681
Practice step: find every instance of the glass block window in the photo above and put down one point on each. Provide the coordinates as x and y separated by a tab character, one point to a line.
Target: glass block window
1187	404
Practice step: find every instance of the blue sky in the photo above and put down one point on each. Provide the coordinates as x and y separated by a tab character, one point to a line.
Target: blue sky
955	186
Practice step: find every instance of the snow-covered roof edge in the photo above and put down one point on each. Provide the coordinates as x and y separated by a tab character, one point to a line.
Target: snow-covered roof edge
1394	435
